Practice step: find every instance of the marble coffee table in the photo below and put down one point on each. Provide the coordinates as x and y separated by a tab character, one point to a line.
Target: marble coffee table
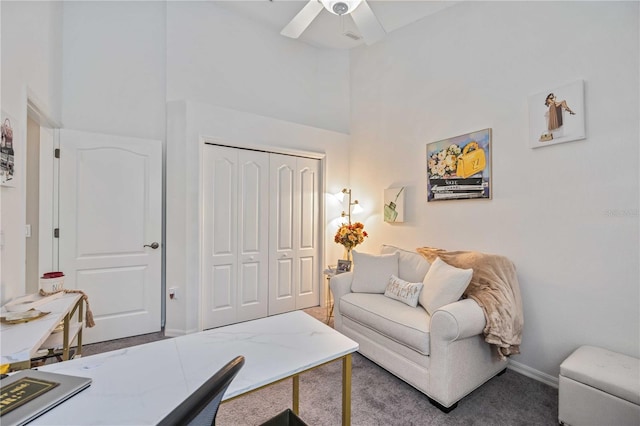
142	384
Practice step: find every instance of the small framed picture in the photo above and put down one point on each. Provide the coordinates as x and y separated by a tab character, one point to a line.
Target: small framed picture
343	266
557	115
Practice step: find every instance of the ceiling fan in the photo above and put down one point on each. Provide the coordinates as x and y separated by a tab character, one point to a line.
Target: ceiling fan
362	15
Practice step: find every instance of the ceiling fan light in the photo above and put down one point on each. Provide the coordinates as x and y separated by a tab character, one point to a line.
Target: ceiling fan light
340	7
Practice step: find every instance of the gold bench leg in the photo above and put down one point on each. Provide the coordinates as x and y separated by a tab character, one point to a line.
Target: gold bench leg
346	390
296	394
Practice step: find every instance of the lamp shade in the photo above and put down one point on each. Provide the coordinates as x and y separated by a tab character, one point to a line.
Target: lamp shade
356	208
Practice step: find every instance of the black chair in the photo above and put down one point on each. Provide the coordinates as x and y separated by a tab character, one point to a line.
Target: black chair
201	407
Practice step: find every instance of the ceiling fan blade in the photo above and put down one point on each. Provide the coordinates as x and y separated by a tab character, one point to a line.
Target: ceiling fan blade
367	23
303	19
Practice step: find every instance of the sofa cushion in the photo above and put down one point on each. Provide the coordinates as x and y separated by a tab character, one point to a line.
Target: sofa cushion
395	320
412	266
371	272
403	291
443	284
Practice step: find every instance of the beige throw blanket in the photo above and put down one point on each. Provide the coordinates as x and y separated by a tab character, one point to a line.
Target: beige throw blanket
88	316
494	285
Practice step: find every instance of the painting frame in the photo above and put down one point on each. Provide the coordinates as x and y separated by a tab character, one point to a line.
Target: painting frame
459	168
557	115
343	266
8	140
393	210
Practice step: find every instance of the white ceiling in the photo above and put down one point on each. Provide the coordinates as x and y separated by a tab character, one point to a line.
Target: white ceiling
327	29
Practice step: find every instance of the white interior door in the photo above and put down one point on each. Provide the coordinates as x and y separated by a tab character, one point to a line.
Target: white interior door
294	215
110	203
235	235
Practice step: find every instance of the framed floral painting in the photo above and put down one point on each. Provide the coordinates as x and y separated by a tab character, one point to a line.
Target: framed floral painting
459	168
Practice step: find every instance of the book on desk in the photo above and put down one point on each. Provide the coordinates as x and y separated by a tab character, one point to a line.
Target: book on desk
28	394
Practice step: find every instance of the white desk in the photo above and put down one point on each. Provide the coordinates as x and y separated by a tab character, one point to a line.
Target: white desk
140	385
21	342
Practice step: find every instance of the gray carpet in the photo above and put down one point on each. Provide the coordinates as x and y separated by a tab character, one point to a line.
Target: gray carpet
112	345
379	398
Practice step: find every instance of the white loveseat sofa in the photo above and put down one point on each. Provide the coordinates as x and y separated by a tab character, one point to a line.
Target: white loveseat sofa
443	355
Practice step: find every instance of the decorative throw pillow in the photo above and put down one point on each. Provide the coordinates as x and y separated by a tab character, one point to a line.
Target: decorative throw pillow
371	272
403	291
412	266
443	284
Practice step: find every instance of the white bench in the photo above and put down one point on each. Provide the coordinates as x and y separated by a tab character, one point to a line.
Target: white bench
599	387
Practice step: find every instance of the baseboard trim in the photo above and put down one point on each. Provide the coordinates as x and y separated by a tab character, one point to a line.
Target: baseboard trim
176	332
533	373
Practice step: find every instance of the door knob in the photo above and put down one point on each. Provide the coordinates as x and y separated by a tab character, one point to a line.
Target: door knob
153	245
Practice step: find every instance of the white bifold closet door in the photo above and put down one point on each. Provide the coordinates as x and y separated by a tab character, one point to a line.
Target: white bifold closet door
260	234
235	254
294	230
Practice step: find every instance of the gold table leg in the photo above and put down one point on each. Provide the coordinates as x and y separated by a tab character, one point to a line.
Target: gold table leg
296	394
80	319
65	338
346	390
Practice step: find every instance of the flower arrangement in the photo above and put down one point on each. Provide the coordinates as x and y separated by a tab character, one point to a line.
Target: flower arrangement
442	164
350	235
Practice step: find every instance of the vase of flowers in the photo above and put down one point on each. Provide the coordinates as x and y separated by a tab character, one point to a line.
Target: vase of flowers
350	235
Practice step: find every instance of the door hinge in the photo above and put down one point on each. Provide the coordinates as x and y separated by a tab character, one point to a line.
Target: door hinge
56	233
56	152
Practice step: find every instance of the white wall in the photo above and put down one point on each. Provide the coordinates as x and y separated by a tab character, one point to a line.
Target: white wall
122	61
247	85
188	122
114	68
31	63
216	56
567	215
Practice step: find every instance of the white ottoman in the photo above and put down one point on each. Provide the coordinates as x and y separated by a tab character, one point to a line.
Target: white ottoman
599	387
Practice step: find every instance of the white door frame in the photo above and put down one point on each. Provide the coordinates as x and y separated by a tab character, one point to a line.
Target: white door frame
48	255
275	150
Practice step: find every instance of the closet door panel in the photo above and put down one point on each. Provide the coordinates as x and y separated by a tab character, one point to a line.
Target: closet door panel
221	287
308	208
284	289
283	199
306	248
307	271
219	270
250	292
223	199
283	234
253	238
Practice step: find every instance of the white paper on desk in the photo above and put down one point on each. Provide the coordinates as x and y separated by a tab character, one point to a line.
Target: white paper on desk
30	301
